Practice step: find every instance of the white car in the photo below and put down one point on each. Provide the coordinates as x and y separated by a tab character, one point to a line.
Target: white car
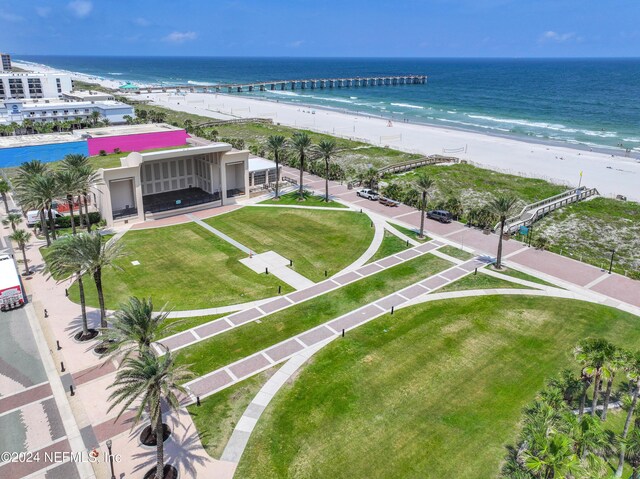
33	216
368	194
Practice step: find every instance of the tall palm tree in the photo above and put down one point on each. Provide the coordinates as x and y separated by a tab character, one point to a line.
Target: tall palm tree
594	355
275	144
37	191
633	374
22	237
614	364
94	117
5	188
88	177
13	219
423	183
502	207
149	381
328	149
70	184
95	255
632	451
555	459
134	327
301	143
63	262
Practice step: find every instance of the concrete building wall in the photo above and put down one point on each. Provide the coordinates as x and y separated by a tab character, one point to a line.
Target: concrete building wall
140	142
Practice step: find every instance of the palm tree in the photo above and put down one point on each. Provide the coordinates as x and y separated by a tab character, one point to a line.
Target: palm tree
5	188
423	184
128	119
328	149
150	381
301	142
632	451
12	219
22	237
37	191
62	263
27	125
275	144
88	177
594	354
614	364
94	117
633	374
134	327
502	207
70	184
95	255
555	459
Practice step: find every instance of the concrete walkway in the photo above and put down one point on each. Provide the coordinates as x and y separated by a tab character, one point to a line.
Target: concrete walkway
244	368
277	265
220	325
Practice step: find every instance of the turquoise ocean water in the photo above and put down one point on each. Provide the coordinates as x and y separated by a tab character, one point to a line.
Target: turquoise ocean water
586	102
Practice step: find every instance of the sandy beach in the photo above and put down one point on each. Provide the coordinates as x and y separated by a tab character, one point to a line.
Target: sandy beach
611	175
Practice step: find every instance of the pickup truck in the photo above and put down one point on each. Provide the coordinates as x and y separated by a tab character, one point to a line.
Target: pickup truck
368	194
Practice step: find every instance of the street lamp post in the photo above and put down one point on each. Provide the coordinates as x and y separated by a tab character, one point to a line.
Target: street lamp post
113	474
613	252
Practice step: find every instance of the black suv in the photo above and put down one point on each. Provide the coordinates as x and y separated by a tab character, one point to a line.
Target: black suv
440	215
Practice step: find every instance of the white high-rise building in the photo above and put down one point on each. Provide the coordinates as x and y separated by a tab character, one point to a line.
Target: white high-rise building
5	62
26	85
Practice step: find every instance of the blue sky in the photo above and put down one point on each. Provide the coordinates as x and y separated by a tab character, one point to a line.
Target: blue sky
409	28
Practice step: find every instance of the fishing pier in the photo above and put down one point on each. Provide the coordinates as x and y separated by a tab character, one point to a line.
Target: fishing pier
282	85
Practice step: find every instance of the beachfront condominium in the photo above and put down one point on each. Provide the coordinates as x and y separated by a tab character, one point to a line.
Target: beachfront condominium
23	85
5	62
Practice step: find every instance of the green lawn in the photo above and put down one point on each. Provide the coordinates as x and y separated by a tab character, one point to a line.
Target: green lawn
455	252
293	198
316	240
218	414
210	354
391	244
480	281
411	233
176	325
435	391
185	266
514	273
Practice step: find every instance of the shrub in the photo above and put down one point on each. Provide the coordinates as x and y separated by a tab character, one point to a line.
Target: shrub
540	242
117	150
65	221
102	153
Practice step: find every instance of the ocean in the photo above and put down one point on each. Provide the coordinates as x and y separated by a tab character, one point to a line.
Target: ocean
589	102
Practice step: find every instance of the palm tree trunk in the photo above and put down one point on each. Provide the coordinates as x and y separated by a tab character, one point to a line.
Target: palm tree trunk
13	226
594	401
499	257
423	206
607	397
159	446
80	211
43	226
326	183
625	431
301	188
97	278
24	258
83	307
6	203
52	223
73	221
634	474
86	212
276	156
583	399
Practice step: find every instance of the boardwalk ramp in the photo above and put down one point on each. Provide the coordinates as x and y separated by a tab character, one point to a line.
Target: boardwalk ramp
534	211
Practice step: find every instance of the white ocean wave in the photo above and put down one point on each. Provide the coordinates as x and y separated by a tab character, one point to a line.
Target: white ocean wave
475	125
533	124
115	73
408	105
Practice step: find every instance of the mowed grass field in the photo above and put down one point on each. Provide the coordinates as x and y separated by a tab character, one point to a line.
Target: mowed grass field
435	391
185	266
316	240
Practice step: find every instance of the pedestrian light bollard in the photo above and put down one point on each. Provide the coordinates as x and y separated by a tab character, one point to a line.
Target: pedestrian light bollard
266	271
58	345
198	401
279	289
71	390
343	333
61	367
46	313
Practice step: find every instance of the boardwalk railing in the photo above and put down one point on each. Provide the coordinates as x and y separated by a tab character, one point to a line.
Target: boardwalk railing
413	164
268	121
534	211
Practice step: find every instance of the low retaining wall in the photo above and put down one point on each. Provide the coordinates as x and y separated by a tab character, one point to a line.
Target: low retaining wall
143	141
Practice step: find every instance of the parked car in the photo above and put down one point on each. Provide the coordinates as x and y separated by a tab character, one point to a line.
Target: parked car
368	194
33	216
387	201
442	216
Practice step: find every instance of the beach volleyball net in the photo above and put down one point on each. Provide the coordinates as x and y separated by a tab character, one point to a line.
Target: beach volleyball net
462	149
384	139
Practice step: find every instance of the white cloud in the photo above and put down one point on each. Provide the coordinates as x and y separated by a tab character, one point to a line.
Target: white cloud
80	8
10	17
142	22
551	36
43	11
296	44
180	37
